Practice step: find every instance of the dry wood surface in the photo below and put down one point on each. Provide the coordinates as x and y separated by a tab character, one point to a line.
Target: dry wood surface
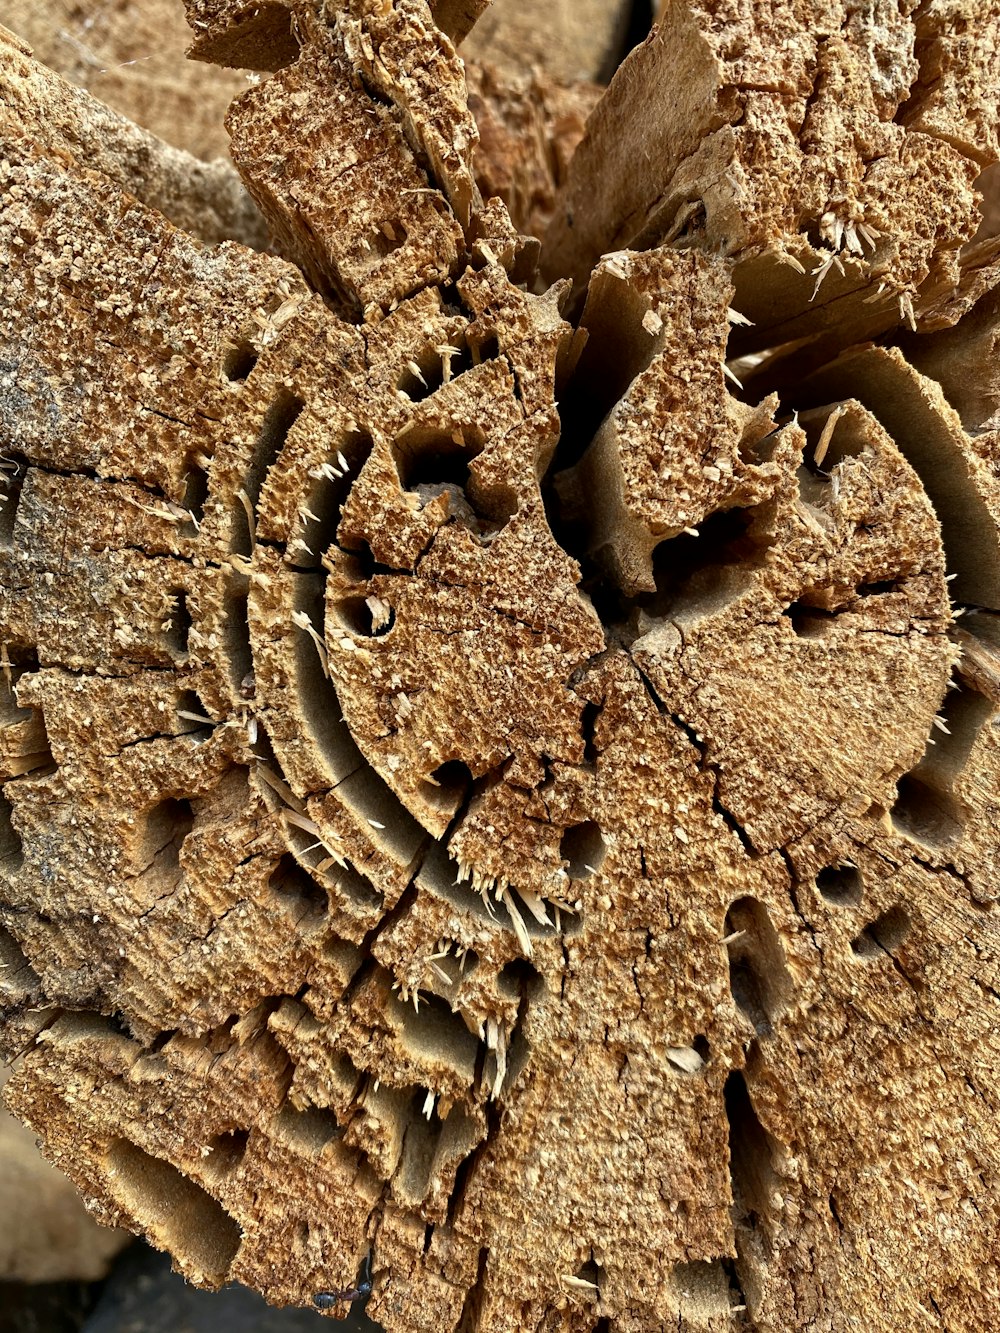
498	735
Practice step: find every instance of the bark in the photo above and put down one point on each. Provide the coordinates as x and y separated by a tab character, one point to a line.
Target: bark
493	806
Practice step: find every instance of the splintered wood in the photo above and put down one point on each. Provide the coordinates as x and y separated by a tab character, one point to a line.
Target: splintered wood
500	781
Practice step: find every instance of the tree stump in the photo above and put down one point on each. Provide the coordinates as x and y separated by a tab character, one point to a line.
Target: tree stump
500	774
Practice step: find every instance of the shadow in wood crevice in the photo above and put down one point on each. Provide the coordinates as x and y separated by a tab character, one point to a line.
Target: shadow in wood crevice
754	1185
33	752
640	23
750	1154
172	1210
285	409
315	693
583	848
178	625
166	826
472	1308
12	474
365	617
927	809
617	351
442	876
239	360
225	1152
434	1030
840	885
193	718
883	936
758	974
588	730
433	462
196	488
341	884
519	978
814	614
432	367
237	652
320	516
698	574
298	894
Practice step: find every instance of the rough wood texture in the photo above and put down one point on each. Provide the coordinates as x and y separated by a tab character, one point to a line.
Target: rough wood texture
543	857
130	55
807	149
205	198
46	1234
529	126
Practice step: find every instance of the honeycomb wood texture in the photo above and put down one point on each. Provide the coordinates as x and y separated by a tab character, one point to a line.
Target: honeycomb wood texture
500	772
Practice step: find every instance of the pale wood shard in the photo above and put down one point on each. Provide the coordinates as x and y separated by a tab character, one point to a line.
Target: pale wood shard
576	40
989	184
205	198
485	796
130	55
795	143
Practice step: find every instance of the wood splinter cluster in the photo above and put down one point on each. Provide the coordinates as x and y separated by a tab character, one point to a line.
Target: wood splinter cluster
500	774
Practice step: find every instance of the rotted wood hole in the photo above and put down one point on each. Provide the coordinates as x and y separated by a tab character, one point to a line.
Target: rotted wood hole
498	740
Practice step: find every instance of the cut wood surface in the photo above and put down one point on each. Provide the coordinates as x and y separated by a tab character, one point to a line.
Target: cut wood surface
500	779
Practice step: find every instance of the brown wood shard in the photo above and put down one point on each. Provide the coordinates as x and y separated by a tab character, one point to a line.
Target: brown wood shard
265	35
488	799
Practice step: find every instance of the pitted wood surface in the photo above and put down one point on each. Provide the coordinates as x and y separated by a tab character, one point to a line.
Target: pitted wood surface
490	802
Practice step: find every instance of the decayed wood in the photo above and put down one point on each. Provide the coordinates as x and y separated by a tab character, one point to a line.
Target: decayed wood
529	125
130	54
265	35
541	857
205	198
807	149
